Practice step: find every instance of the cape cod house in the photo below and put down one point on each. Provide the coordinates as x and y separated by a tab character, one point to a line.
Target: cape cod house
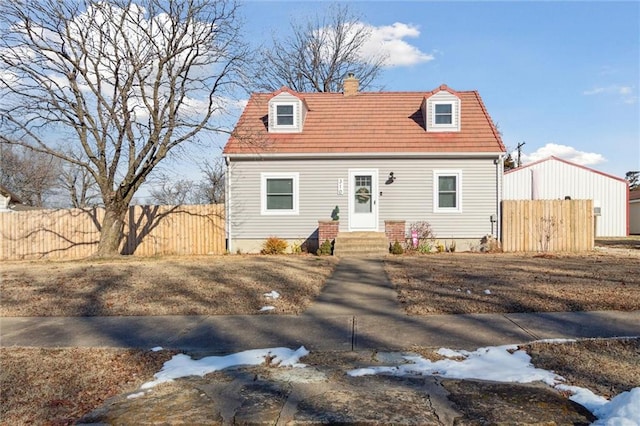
379	161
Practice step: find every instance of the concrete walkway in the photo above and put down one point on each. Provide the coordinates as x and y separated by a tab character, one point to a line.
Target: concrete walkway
357	310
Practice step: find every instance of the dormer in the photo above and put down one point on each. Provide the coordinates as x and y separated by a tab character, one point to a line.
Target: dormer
441	110
287	111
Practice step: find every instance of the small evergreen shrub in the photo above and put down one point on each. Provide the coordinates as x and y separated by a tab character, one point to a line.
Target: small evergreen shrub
326	248
396	248
274	245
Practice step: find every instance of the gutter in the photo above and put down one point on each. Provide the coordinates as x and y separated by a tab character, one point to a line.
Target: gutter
227	202
364	155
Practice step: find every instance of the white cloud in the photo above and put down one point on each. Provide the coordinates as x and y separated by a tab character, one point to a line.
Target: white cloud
565	152
626	93
389	41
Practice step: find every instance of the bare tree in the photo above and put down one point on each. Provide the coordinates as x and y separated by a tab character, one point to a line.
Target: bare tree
30	175
173	192
211	189
319	54
79	185
126	82
633	177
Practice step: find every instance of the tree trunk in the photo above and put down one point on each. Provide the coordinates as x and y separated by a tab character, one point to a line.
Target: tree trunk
111	233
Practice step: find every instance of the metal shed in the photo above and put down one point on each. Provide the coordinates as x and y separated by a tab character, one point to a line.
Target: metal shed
554	178
634	212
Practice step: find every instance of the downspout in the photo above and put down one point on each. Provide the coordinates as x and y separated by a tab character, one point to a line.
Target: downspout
227	203
499	185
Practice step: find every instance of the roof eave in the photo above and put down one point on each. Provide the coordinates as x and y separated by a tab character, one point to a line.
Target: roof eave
310	155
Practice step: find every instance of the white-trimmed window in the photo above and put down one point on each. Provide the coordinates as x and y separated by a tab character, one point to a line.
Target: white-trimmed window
444	114
284	116
279	193
447	191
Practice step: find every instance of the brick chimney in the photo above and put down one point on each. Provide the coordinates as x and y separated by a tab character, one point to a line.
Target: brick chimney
350	85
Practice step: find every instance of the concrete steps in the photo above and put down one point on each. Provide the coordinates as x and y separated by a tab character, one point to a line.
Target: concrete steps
361	244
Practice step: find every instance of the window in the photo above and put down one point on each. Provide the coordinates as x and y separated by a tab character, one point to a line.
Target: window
279	193
444	113
284	115
447	191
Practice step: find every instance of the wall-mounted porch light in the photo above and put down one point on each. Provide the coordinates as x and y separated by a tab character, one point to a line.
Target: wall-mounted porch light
390	179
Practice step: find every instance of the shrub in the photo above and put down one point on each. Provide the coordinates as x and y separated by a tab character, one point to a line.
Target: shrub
326	248
396	248
274	245
452	246
296	248
489	244
423	229
425	247
424	233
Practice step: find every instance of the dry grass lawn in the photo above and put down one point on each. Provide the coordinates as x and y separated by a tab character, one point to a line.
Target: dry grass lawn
459	283
57	386
216	285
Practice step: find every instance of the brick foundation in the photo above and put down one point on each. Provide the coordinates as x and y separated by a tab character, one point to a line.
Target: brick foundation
327	230
394	230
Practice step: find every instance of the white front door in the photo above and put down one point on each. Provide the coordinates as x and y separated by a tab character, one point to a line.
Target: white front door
363	200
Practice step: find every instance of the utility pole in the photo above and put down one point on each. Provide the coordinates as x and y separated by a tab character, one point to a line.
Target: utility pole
519	148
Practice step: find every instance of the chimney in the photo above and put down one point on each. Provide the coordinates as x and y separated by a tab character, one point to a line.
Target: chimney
350	85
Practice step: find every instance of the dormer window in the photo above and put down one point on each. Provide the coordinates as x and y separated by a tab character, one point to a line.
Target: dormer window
287	112
284	115
441	110
443	114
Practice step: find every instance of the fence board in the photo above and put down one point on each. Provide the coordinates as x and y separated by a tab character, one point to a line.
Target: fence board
547	225
148	231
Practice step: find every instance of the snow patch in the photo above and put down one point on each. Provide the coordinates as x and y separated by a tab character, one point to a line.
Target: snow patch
182	365
508	364
272	295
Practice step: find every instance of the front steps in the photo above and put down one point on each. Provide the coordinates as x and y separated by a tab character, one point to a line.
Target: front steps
361	244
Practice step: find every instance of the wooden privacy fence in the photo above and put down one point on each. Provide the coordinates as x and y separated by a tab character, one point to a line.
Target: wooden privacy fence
547	225
148	231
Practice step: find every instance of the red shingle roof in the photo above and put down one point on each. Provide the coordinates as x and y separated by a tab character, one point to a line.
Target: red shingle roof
368	122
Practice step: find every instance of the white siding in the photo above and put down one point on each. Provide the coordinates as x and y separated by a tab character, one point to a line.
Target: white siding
299	113
552	179
429	111
409	197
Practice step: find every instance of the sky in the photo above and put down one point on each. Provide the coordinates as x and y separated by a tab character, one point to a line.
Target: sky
496	363
562	77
